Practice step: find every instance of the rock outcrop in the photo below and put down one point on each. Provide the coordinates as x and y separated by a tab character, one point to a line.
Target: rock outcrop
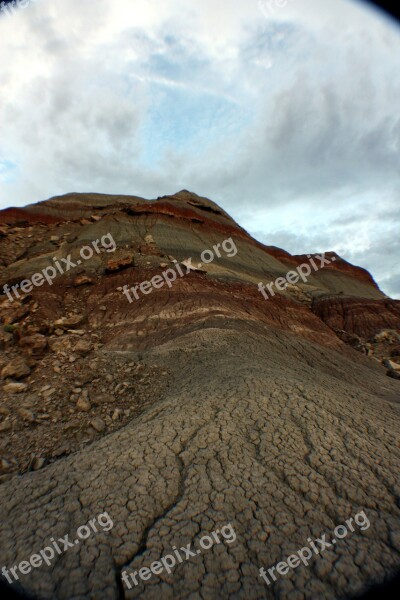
198	404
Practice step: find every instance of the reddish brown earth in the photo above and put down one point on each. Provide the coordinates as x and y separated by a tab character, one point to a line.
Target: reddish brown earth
193	406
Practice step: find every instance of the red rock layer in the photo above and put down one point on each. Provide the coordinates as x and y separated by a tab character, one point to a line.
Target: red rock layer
362	317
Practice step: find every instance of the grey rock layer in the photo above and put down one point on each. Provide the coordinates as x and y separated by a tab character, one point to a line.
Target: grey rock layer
282	438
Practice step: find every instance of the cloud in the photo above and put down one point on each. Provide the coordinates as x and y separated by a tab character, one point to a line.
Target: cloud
289	122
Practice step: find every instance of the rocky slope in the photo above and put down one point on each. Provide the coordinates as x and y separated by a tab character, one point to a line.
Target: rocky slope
198	404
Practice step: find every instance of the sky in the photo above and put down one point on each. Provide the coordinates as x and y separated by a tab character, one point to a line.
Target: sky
285	113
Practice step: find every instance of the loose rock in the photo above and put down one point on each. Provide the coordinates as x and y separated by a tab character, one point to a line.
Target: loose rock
17	368
15	388
98	424
83	404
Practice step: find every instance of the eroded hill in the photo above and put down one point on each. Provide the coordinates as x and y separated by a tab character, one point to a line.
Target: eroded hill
197	404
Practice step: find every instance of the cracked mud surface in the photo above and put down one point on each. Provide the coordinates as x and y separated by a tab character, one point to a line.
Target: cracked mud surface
281	437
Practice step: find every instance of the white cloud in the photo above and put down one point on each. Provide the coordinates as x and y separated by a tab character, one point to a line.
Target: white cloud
289	122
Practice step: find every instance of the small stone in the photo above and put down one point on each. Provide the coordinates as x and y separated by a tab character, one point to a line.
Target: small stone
61	451
83	280
59	332
103	308
37	463
83	405
98	424
83	379
109	378
113	266
15	388
70	426
57	416
116	414
99	399
83	347
26	415
43	417
48	393
69	322
77	390
58	345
